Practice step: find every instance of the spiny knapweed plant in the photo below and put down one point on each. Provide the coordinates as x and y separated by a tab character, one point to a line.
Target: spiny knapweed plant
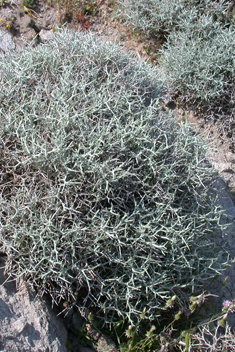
157	16
199	61
198	55
199	65
103	196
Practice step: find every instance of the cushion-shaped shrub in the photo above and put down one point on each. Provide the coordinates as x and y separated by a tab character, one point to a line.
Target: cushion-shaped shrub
199	62
154	16
103	196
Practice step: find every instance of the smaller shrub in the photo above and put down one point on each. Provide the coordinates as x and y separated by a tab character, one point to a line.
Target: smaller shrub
152	16
155	16
199	61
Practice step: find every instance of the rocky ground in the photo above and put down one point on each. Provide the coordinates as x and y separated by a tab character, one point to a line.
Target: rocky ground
27	323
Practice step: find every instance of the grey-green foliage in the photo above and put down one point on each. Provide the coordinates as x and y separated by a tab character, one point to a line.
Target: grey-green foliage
198	55
101	193
154	16
199	61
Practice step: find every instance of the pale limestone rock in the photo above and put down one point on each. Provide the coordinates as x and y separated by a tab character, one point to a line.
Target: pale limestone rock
46	35
6	42
27	324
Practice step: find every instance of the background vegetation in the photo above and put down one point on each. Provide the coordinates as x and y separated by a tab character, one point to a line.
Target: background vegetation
198	55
